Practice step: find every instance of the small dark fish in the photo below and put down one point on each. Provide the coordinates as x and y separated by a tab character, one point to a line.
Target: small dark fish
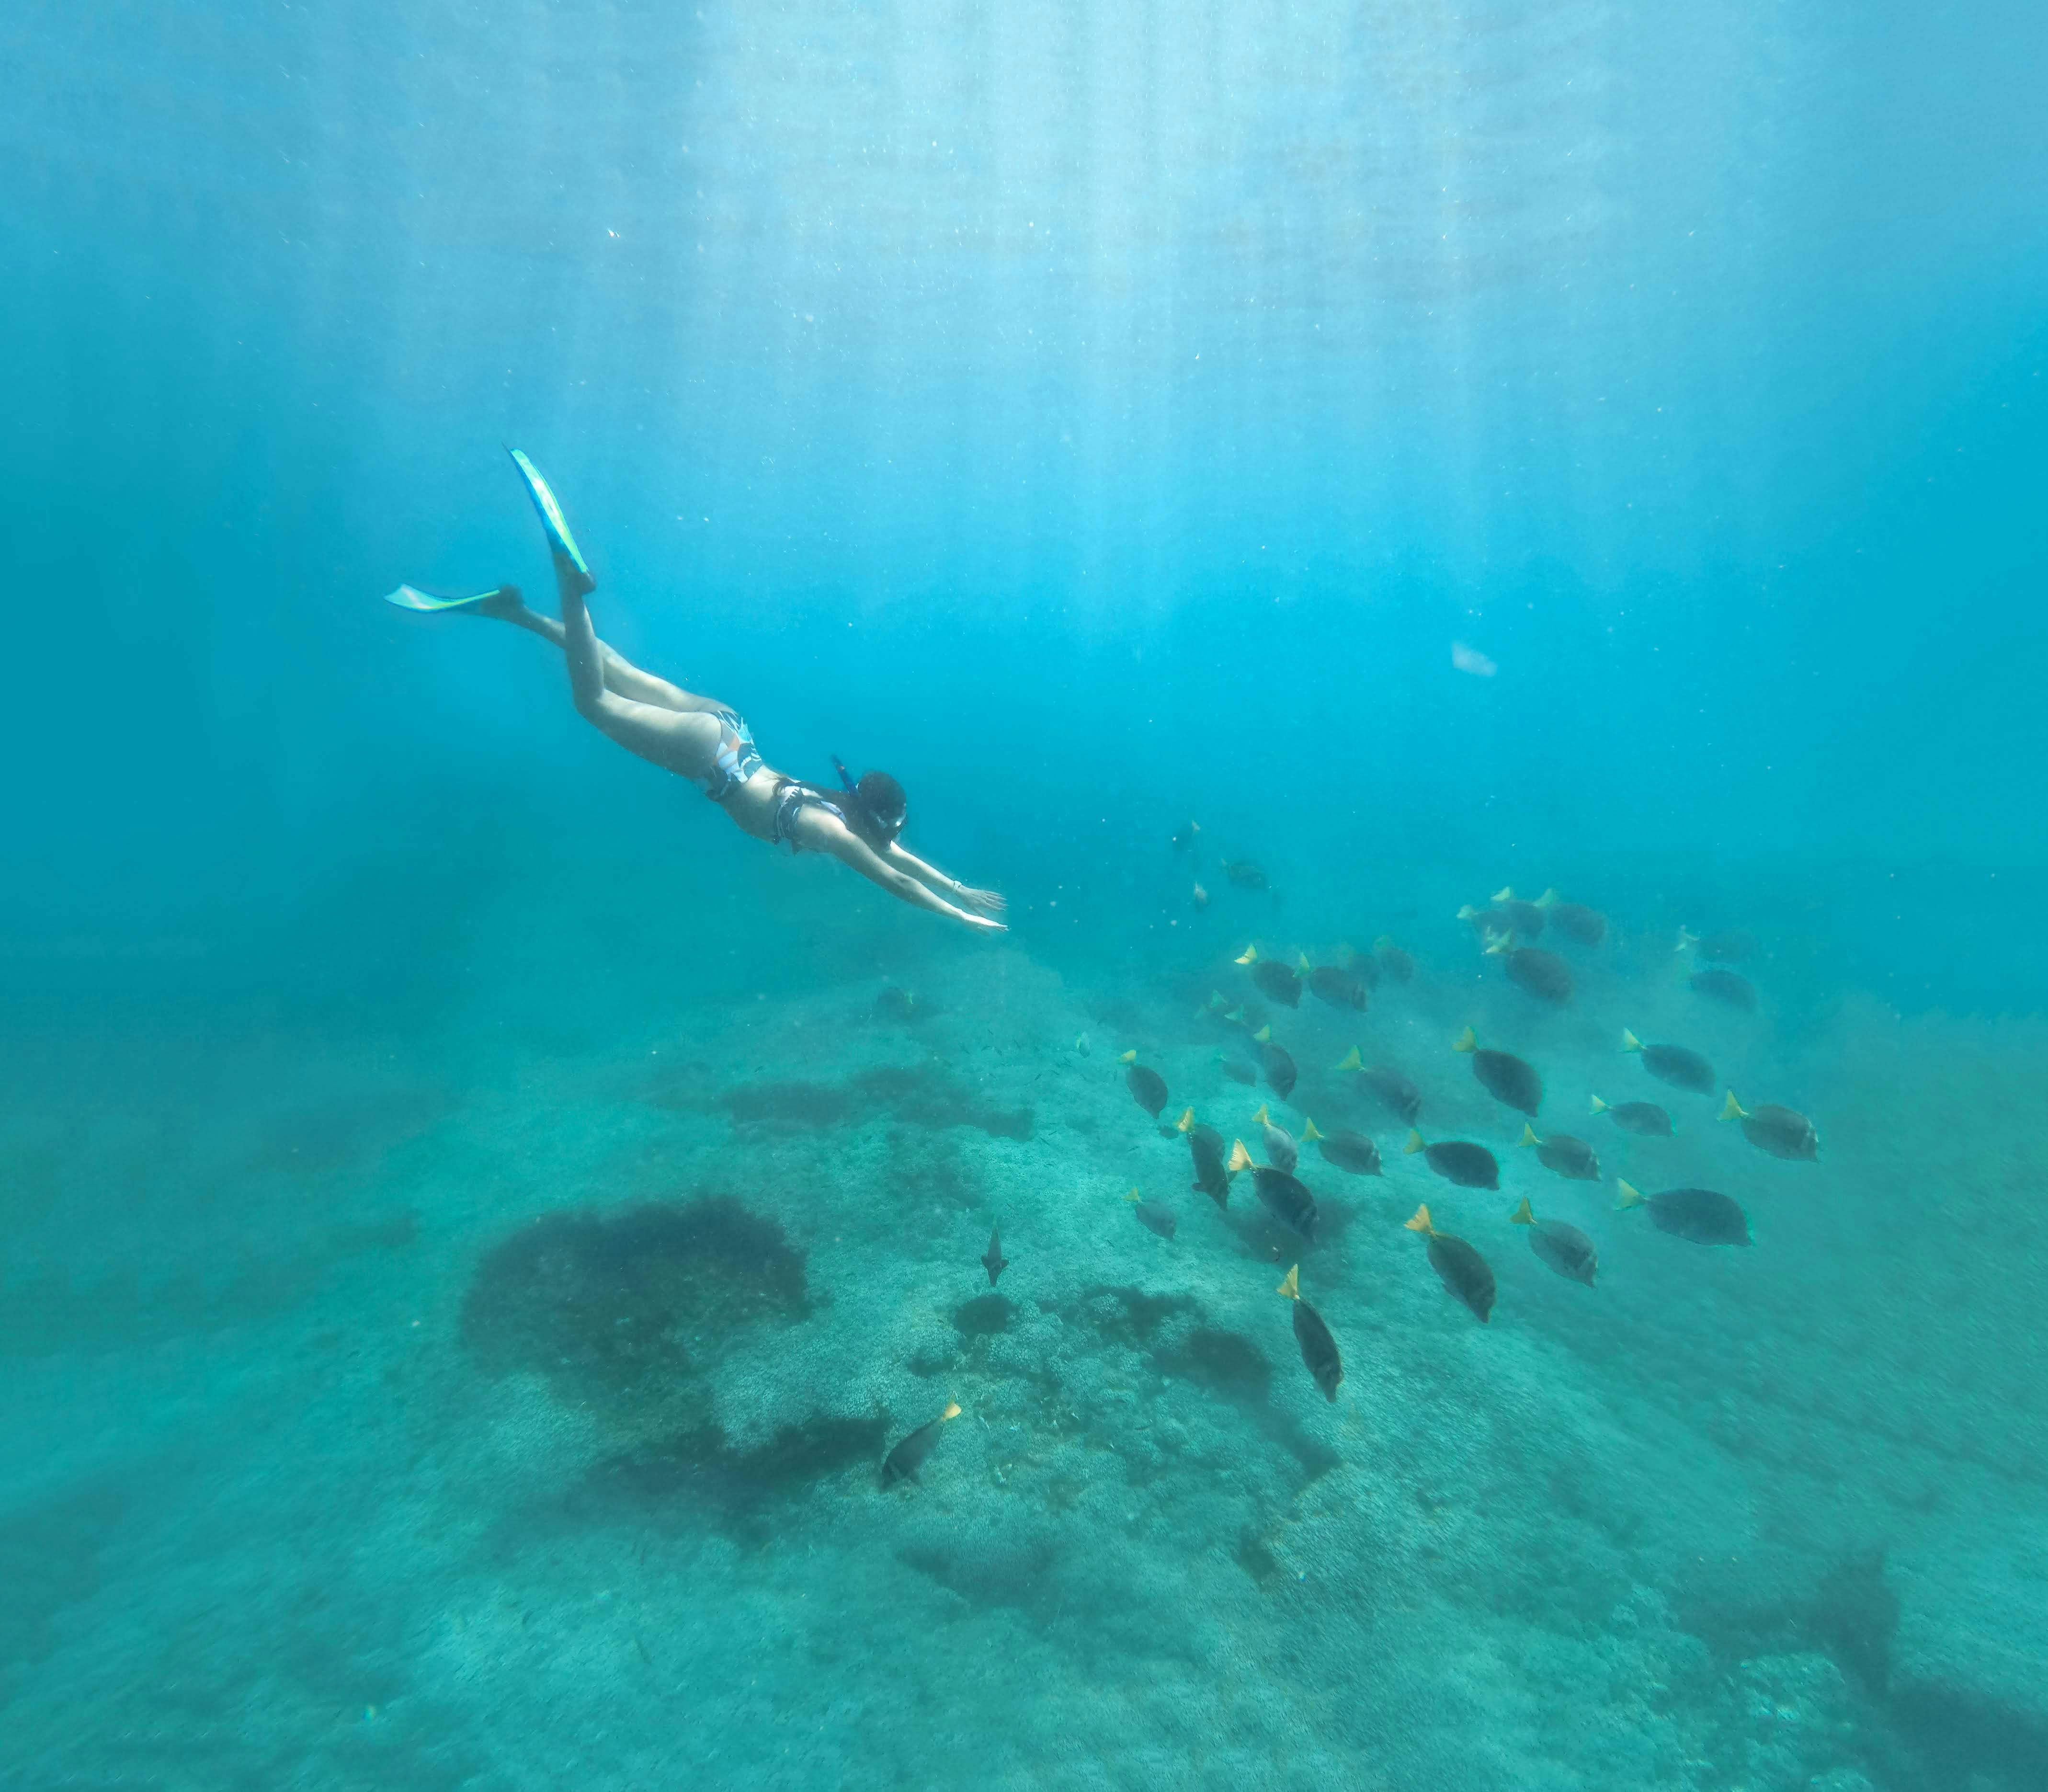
1340	988
1348	1150
1564	1248
1277	982
1784	1132
1490	923
1394	1092
1675	1064
902	1463
992	1259
1364	966
1153	1215
1544	975
1397	964
1279	1068
1281	1150
1205	1145
1470	1166
1287	1198
1645	1119
1524	918
1461	1269
1699	1215
895	1004
1504	1075
1148	1088
1730	945
1244	874
1239	1073
1566	1155
1319	1349
1579	923
1184	838
1727	985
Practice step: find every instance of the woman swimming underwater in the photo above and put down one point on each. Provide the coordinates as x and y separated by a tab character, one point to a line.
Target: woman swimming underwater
698	738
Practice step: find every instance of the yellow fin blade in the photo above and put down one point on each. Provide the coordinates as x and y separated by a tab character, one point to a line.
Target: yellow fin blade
1261	1117
1239	1158
1598	1106
1421	1221
1528	1135
1733	1110
1549	899
1631	1195
1521	1215
1186	1123
951	1411
1466	1041
1128	1057
1309	1133
1352	1060
1306	967
1629	1041
1504	893
1134	1195
1414	1144
1250	956
1263	1034
1292	1286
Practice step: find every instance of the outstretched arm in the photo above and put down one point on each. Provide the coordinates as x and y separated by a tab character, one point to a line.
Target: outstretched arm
819	832
989	900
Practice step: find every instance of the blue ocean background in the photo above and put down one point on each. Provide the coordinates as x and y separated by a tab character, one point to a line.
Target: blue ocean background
1104	419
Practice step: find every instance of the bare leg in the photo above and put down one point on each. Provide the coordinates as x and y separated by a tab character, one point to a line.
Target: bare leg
621	675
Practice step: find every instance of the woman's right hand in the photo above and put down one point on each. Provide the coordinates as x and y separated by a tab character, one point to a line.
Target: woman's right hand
991	902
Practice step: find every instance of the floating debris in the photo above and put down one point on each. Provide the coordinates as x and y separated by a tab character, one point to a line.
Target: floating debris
1508	1079
1645	1119
1461	1268
1564	1155
1675	1064
1319	1349
1564	1248
1153	1215
992	1259
1784	1132
1699	1215
902	1463
1469	1166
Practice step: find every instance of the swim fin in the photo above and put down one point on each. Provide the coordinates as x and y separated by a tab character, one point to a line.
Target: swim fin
568	558
411	597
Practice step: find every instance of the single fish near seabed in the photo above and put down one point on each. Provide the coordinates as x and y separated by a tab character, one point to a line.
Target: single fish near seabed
1153	1215
1348	1150
1698	1216
902	1463
1568	1156
992	1259
1211	1169
1509	1080
1462	1270
1340	988
1148	1088
1522	917
1784	1132
1582	926
1286	1197
1645	1119
1397	964
1281	1150
1237	1072
1564	1248
1676	1064
1469	1166
1393	1092
1724	985
1542	974
1279	1068
1319	1349
1276	981
1244	875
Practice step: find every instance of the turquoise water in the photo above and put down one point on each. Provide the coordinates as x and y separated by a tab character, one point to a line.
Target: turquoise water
473	1224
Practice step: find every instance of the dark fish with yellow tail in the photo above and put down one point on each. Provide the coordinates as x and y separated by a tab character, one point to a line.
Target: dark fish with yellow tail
1507	1078
1277	981
1698	1216
1205	1145
1397	964
1243	874
1523	918
1564	1248
1279	1068
1148	1088
1564	1155
992	1259
1469	1166
1238	1072
1461	1268
1153	1215
1319	1349
1392	1090
1676	1064
1784	1132
1579	923
1348	1150
1645	1119
1491	923
1281	1150
1724	985
1285	1196
1339	987
902	1463
1542	974
896	1004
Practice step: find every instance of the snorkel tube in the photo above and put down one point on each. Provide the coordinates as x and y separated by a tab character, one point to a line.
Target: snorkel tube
845	777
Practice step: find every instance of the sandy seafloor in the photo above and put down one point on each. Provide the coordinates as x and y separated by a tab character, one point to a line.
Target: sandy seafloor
287	1501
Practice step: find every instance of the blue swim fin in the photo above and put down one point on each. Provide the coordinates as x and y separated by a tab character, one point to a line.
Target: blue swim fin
568	558
411	597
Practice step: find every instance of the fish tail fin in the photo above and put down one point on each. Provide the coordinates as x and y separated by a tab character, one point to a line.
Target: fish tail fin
952	1411
1130	1056
1733	1110
1504	893
1133	1195
1302	960
1352	1060
1264	1035
1249	955
1420	1223
1234	1014
1499	945
1528	1135
1631	1195
1292	1286
1261	1118
1186	1123
1523	1215
1467	912
1466	1041
1598	1106
1549	899
1309	1133
1414	1144
1629	1041
1239	1158
1384	941
1686	937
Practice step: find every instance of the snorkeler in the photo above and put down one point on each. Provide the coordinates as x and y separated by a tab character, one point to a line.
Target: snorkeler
704	741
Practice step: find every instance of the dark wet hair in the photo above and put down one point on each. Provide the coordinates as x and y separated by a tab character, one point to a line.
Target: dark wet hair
874	805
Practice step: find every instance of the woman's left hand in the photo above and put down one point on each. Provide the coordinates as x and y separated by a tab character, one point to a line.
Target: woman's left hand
990	901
